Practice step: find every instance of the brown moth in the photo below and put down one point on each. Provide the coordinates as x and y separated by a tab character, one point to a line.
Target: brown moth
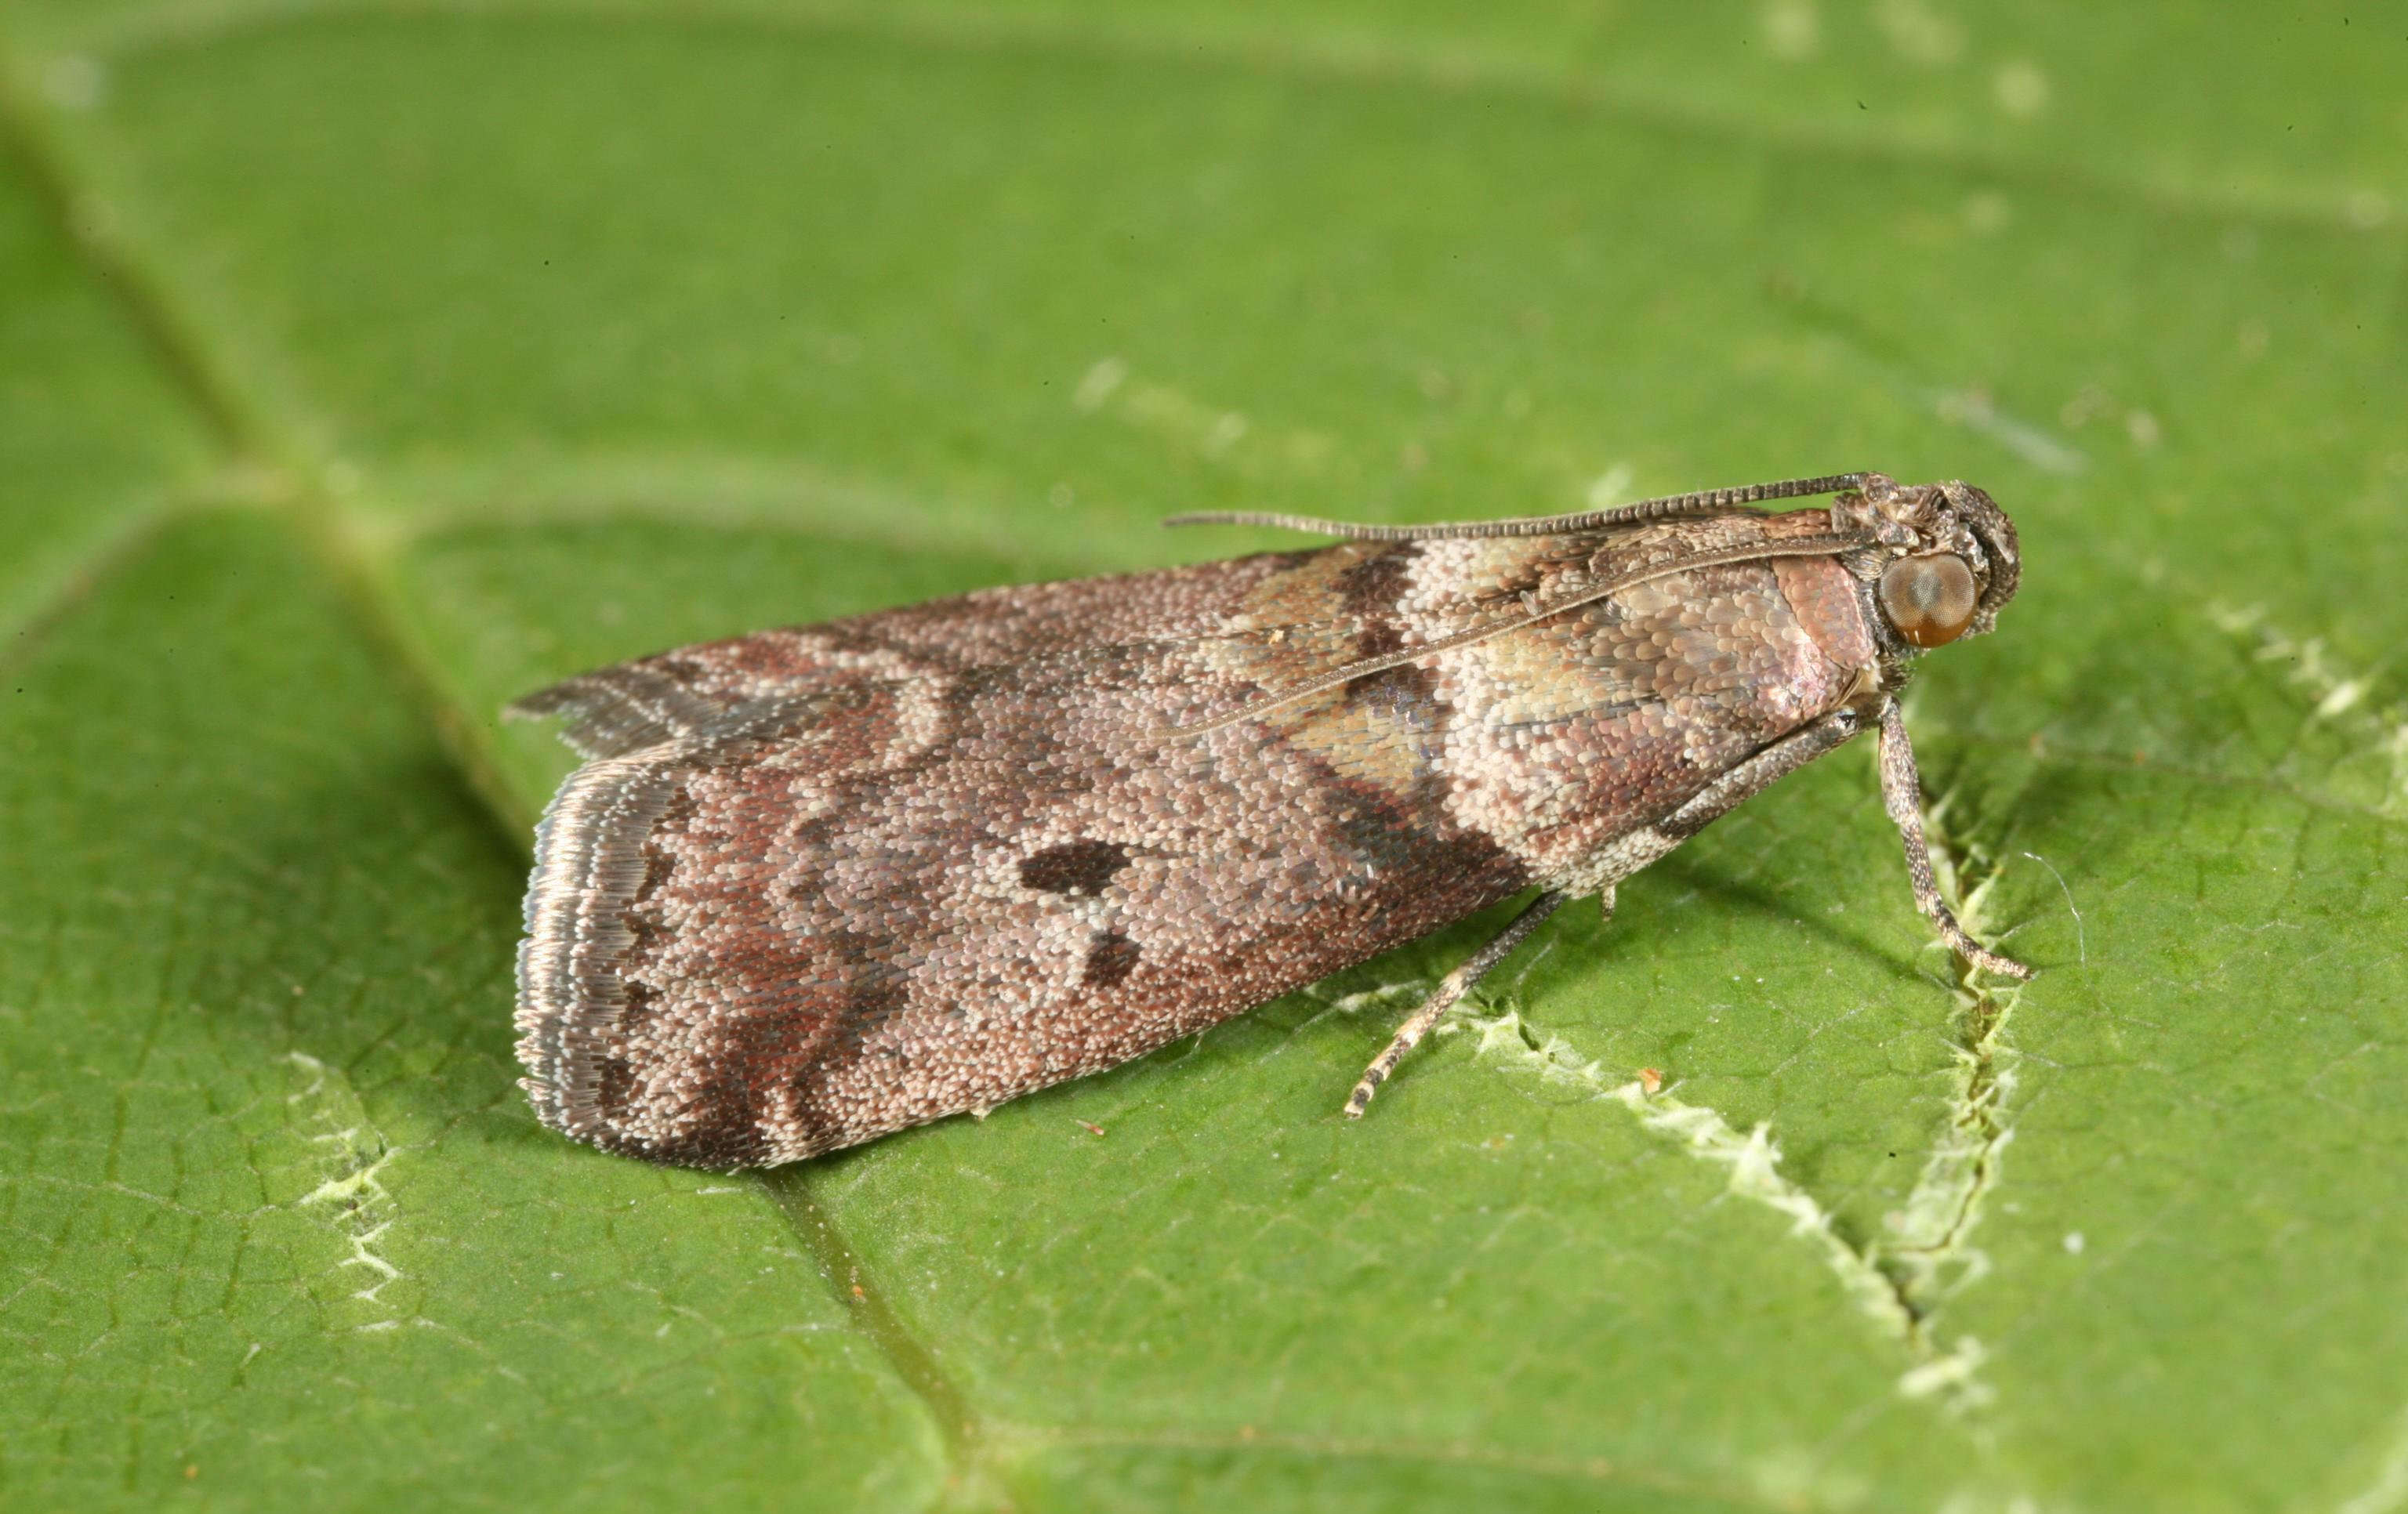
819	884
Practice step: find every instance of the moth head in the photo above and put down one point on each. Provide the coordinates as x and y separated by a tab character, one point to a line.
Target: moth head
1944	558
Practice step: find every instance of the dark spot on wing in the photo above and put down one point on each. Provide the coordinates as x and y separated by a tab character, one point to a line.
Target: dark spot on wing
1075	867
1111	958
663	847
1369	590
1379	640
616	1085
874	994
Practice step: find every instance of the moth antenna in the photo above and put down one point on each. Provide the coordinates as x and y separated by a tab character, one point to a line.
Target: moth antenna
1703	502
1823	546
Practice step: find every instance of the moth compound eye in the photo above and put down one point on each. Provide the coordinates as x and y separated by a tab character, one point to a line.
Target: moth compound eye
1929	599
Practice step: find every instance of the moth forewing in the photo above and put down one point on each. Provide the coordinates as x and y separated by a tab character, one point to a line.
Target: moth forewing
822	883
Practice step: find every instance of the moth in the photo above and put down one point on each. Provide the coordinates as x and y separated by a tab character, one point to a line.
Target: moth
814	885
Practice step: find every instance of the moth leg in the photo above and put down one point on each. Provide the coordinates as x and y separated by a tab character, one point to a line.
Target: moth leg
1725	793
1456	984
1902	796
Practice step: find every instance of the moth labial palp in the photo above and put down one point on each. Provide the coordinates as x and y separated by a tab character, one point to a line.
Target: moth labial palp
818	884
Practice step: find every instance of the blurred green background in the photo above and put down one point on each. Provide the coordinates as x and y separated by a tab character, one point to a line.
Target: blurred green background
363	365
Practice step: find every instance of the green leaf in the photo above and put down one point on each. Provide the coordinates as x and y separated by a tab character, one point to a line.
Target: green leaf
365	366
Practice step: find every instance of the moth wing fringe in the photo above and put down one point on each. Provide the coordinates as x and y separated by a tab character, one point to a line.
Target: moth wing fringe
590	864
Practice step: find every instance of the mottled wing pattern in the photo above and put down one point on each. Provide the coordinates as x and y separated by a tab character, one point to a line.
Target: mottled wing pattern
707	691
818	884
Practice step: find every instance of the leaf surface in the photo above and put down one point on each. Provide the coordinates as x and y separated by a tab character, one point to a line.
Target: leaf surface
367	365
